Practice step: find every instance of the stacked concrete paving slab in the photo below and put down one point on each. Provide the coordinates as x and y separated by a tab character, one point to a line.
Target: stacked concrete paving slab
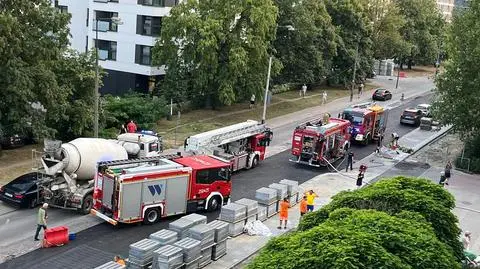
191	251
220	238
110	265
268	198
292	191
164	237
206	235
167	257
262	213
181	226
252	208
235	215
141	253
196	218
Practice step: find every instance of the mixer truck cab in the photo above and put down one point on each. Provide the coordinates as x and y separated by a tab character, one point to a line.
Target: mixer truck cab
140	145
147	189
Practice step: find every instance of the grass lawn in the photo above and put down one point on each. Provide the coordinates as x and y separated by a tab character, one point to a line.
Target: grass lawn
15	162
202	120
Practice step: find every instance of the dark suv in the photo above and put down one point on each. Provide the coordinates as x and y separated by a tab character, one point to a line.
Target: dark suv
411	116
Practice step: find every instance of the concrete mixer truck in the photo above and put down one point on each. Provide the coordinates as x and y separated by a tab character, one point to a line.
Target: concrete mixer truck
66	172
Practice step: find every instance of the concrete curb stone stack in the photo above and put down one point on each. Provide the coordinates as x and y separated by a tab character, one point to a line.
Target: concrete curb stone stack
292	191
206	235
220	238
268	198
262	213
191	251
252	208
235	215
164	237
181	226
140	254
110	265
167	257
196	218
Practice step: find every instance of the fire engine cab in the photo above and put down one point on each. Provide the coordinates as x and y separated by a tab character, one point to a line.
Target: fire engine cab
319	143
368	122
147	189
243	145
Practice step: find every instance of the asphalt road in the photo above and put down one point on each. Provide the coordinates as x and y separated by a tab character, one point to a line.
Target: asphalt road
98	244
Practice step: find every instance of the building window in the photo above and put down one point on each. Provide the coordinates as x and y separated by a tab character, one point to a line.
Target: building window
88	15
62	9
86	44
150	26
155	3
143	55
107	50
105	21
106	1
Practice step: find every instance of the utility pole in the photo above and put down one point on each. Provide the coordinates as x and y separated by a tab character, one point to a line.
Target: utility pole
354	74
266	90
398	75
95	118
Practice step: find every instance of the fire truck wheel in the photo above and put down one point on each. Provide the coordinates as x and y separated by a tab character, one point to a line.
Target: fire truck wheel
151	216
255	162
213	204
87	204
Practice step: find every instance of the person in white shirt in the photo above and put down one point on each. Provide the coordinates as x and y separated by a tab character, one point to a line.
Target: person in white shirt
466	240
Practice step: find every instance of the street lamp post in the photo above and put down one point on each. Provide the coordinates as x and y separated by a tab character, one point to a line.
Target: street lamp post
265	96
117	21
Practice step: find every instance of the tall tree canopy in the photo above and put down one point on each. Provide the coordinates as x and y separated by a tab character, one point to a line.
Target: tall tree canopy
216	51
306	50
422	30
33	36
354	31
458	91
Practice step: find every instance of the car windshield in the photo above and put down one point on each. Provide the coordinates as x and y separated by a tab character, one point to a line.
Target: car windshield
355	118
409	113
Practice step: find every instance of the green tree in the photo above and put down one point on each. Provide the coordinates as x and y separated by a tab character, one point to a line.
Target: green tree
386	21
306	51
33	37
360	239
215	51
354	31
422	30
394	196
457	92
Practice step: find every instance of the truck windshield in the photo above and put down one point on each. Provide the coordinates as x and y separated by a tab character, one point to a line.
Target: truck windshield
355	118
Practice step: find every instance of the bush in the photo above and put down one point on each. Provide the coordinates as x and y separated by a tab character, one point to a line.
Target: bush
471	162
395	196
360	239
145	110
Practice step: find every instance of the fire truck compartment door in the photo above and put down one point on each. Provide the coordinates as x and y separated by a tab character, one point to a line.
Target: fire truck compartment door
131	201
107	192
176	195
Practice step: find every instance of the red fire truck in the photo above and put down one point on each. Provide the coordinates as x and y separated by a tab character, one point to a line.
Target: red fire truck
147	189
369	122
243	144
319	143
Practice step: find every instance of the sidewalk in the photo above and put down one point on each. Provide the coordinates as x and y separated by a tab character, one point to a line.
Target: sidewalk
326	186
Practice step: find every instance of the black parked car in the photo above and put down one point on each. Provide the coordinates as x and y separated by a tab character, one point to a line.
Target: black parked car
10	140
382	95
21	191
411	116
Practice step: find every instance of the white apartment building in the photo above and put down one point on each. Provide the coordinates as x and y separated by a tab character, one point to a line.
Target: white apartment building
124	48
446	8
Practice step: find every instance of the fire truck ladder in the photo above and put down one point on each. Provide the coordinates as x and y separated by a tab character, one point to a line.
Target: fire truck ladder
138	160
233	135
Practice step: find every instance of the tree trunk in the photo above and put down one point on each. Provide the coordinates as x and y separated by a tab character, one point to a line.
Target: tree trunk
410	64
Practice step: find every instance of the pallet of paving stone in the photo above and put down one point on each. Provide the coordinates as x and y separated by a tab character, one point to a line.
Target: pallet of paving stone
164	237
236	228
206	254
281	190
266	196
293	199
191	249
204	233
252	205
262	213
219	250
233	212
251	218
140	254
272	209
292	186
167	257
181	226
196	218
110	265
221	230
192	264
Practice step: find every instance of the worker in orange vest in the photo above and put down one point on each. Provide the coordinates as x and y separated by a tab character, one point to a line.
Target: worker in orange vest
303	206
284	206
119	260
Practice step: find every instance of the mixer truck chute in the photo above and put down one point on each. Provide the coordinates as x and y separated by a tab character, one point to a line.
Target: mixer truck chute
67	171
242	144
